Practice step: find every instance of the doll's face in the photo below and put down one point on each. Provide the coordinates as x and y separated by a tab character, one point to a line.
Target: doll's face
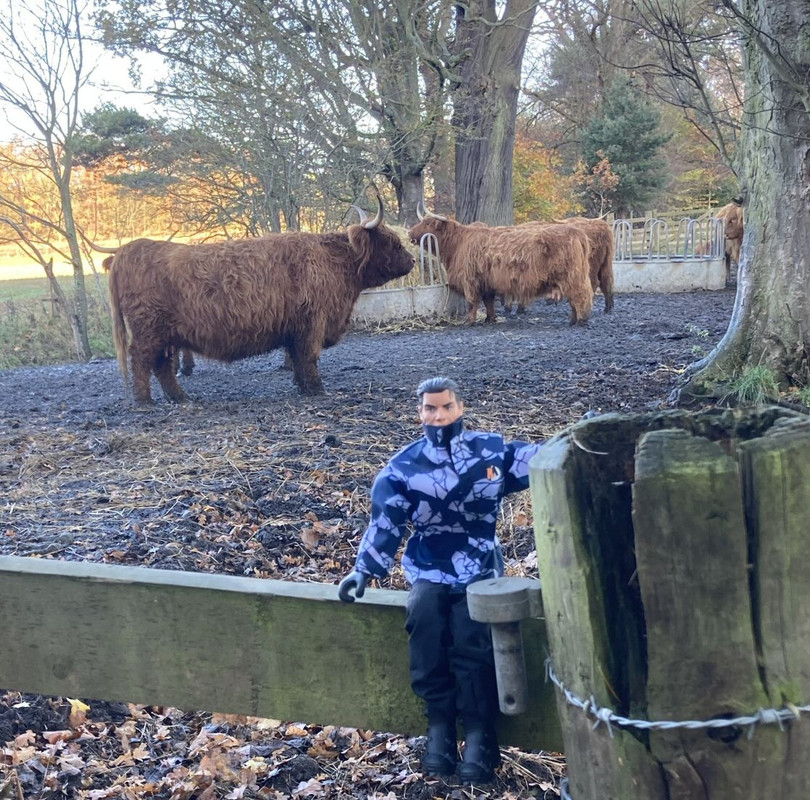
440	408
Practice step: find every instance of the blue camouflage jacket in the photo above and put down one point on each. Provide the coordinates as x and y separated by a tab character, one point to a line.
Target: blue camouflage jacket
448	488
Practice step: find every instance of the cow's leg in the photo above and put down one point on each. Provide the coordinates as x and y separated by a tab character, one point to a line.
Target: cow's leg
288	362
304	356
489	305
606	285
472	310
141	360
164	367
186	362
581	300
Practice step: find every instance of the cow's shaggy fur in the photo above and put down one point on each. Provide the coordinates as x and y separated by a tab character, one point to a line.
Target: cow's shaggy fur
516	262
733	216
240	298
600	238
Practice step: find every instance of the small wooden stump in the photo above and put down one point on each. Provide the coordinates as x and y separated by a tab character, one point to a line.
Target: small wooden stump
673	554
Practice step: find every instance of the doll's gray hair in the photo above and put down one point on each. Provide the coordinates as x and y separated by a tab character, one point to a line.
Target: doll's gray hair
436	385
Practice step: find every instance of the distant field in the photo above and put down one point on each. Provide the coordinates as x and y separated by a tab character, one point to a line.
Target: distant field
15	266
23	279
36	286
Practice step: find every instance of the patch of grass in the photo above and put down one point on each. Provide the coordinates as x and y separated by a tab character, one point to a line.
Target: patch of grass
32	336
698	350
34	333
804	396
693	330
755	386
25	289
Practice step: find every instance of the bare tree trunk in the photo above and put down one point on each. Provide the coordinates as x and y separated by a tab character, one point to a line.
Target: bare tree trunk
411	192
443	170
770	324
79	316
64	307
486	106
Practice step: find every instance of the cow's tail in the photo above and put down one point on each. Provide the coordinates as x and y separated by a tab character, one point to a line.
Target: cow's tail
119	325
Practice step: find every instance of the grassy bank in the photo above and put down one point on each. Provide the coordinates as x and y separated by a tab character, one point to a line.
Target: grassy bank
33	332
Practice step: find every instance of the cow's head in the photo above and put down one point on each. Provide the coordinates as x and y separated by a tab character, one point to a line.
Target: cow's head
428	223
381	254
734	224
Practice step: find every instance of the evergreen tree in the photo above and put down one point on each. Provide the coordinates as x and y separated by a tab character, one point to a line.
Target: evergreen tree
627	134
109	131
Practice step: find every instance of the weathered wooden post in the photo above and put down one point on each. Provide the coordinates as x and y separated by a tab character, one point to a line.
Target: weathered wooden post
673	554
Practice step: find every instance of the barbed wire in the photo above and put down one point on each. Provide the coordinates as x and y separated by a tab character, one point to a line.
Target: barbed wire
605	716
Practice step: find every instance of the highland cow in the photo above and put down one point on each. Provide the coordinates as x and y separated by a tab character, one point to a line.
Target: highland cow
600	238
517	262
241	298
732	215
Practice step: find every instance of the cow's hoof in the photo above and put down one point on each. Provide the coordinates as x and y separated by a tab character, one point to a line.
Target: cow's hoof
311	391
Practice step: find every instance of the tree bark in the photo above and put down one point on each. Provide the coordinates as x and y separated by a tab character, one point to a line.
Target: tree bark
770	324
485	106
79	317
64	307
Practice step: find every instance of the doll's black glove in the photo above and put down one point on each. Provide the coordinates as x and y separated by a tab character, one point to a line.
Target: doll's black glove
354	580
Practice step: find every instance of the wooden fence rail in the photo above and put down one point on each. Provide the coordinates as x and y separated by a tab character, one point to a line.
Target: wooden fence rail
197	641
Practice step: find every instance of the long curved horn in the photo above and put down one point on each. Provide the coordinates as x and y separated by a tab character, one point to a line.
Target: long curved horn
93	246
363	215
373	223
428	214
419	210
101	249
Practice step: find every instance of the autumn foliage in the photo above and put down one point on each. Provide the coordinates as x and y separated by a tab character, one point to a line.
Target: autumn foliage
542	190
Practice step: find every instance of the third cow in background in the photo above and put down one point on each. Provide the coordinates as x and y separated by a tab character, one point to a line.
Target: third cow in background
732	214
600	238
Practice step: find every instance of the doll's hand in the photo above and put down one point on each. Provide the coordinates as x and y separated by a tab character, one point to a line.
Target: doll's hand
354	580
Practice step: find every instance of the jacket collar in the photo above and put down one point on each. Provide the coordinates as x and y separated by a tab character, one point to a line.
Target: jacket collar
443	435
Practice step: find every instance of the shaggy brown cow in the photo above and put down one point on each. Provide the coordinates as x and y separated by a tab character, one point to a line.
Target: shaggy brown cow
183	359
600	238
520	263
733	216
240	298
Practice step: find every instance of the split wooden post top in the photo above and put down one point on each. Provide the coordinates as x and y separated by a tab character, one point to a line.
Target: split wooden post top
672	548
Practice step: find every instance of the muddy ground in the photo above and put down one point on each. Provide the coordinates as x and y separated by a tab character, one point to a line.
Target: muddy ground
252	479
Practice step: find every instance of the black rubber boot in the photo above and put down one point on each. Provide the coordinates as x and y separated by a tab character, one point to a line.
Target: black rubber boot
481	756
440	756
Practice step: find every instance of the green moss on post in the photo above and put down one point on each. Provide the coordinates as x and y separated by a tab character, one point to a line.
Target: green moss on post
671	548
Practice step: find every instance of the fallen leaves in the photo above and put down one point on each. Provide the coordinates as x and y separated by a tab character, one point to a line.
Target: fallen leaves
159	753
